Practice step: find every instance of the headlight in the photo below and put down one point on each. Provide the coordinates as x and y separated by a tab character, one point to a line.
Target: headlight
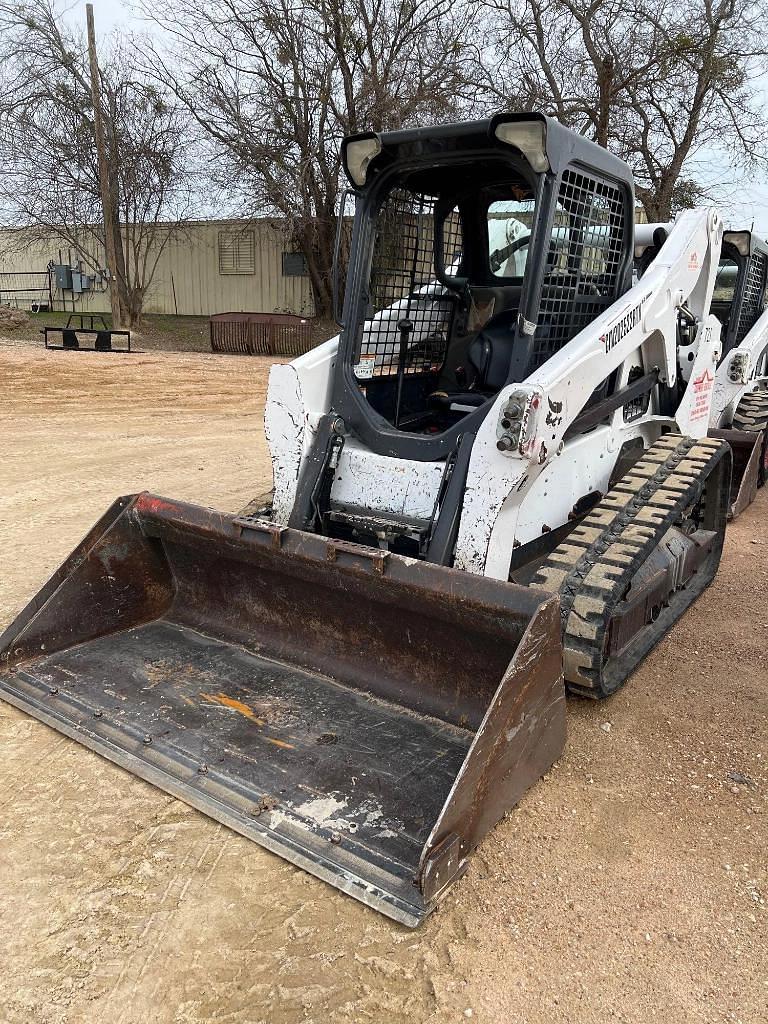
530	137
358	154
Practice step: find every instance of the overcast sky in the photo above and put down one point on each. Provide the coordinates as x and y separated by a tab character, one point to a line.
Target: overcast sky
106	13
741	202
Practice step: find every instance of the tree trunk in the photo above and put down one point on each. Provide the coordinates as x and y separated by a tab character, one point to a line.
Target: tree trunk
316	242
657	202
605	73
134	307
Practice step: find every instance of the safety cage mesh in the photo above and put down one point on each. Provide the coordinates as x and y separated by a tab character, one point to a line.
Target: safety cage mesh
403	285
584	261
752	295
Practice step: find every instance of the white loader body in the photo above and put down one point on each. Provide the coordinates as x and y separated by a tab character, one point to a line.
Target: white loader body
514	496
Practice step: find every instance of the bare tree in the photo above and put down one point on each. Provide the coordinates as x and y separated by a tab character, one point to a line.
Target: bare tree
48	171
660	83
275	84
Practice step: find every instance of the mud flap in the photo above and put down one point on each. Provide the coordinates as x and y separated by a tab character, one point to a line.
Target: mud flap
747	450
366	716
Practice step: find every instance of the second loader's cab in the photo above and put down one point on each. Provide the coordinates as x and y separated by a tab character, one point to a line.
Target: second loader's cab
740	288
479	251
739	409
740	406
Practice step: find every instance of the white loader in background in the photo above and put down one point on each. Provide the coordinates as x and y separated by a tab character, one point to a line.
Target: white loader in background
495	483
739	409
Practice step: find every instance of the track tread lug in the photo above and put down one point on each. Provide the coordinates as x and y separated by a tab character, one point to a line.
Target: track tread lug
613	540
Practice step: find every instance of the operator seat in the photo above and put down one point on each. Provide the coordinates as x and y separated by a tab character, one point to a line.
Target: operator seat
489	356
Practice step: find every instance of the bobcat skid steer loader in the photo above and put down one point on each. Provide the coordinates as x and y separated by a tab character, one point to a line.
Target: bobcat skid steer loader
739	410
498	471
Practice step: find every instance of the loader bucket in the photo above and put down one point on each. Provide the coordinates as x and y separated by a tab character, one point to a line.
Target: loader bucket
747	449
366	716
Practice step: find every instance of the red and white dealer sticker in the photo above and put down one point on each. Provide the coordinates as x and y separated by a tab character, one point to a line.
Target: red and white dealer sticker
702	393
693	261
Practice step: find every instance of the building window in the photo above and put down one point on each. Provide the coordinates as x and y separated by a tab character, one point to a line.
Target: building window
237	252
294	265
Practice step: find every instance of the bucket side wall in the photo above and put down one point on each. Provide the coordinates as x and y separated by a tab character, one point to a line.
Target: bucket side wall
114	579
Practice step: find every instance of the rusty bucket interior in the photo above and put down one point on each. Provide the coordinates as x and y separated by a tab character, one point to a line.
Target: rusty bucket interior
747	449
366	716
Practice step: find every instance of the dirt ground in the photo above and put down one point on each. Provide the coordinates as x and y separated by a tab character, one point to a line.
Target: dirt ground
629	885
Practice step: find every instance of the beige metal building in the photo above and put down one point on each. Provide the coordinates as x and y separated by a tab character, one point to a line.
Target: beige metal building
208	267
215	266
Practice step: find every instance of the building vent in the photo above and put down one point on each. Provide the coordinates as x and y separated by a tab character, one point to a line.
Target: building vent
237	252
294	265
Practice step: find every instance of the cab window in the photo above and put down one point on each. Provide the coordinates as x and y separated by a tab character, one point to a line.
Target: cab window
509	233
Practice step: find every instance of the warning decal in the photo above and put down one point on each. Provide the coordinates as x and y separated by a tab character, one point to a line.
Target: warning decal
364	369
702	394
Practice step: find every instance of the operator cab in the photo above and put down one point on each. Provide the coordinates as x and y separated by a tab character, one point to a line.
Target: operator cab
479	250
448	264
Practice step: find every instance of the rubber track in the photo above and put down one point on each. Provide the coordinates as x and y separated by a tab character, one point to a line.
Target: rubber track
593	568
752	415
752	412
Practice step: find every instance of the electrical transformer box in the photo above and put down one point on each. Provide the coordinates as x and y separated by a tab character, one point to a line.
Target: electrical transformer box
62	276
80	282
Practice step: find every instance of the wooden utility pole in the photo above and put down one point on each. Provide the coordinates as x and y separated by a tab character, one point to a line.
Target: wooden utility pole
110	223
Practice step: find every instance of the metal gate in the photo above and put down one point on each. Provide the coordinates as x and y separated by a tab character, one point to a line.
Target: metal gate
261	334
26	289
